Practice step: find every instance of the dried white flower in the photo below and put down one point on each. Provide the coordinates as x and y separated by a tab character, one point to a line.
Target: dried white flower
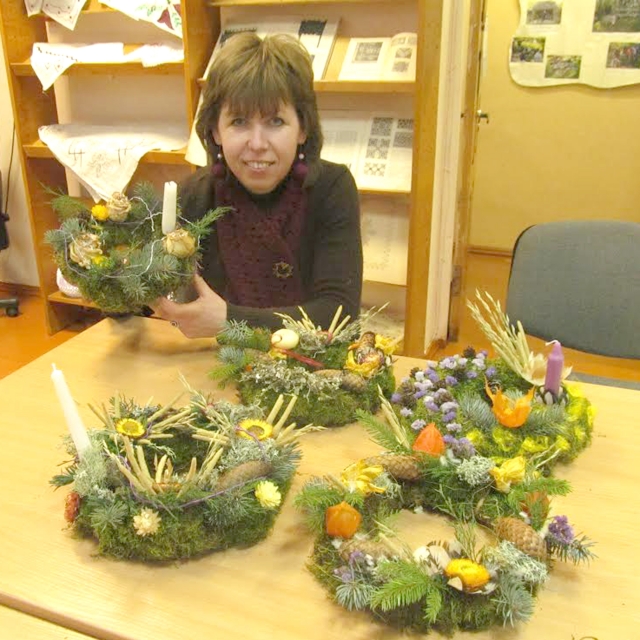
147	522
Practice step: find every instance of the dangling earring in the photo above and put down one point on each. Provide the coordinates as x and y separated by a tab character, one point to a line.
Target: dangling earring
300	168
219	168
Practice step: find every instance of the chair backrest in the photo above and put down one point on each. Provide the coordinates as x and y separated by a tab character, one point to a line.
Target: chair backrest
579	282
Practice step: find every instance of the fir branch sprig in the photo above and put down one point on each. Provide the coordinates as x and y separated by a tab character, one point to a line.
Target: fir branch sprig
403	583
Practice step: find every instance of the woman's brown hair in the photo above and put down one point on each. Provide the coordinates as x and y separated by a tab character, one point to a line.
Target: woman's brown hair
254	75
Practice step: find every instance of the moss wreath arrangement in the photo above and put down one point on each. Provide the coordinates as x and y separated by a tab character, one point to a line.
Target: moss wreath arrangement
161	483
334	372
443	585
116	253
497	406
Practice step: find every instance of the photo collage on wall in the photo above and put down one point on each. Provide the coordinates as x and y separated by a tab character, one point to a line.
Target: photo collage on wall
594	42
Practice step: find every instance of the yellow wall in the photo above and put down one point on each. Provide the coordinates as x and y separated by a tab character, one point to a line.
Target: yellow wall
549	153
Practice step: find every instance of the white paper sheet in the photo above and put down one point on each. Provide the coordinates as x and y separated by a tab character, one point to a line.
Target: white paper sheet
385	233
33	7
164	14
66	12
105	158
50	60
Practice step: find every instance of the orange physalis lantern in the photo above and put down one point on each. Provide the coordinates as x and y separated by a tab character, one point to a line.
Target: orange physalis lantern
510	413
429	441
342	520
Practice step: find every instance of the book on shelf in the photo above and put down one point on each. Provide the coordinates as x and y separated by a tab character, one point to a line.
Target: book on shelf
385	239
383	58
318	36
377	148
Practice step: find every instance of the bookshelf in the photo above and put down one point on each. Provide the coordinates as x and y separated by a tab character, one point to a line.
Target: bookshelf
202	22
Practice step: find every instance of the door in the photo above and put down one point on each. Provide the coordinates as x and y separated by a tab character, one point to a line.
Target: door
471	117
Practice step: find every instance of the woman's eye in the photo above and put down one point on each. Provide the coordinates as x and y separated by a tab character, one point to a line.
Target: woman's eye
277	121
237	122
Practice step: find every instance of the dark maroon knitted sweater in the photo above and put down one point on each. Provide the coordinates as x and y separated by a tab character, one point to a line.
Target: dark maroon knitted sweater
329	259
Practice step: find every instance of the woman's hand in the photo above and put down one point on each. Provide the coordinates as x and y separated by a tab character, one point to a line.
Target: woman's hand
202	318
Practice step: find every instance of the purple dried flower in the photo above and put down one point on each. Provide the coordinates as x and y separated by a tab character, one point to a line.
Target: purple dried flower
472	374
449	417
448	363
483	352
491	372
344	574
454	427
396	397
419	394
418	425
432	406
461	448
405	412
561	530
445	407
451	381
434	376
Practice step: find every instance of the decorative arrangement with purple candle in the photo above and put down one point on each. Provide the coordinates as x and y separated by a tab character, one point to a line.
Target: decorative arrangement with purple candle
516	404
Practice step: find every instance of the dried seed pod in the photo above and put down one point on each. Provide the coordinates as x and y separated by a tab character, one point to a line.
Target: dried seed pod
243	473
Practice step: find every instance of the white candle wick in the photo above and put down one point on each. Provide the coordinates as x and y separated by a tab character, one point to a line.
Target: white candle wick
70	410
169	205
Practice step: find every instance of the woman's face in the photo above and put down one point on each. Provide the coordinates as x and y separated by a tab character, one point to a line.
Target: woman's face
260	149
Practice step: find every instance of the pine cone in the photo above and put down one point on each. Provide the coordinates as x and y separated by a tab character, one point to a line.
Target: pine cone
353	382
523	536
243	473
374	548
398	466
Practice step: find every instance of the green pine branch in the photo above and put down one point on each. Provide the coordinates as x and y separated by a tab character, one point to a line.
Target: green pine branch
404	584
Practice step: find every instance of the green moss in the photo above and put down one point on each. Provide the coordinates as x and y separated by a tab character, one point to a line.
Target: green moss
331	411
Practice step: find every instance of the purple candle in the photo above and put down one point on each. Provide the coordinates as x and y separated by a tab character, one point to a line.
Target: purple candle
555	365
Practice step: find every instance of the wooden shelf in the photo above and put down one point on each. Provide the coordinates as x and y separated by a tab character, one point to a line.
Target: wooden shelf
352	86
59	297
267	3
40	150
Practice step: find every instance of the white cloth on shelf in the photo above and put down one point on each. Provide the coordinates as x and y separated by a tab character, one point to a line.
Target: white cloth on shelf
104	158
51	60
152	55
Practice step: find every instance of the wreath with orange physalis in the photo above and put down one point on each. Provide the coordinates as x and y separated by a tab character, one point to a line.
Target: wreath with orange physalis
480	451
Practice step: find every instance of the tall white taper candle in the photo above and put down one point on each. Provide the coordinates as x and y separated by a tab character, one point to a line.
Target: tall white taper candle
71	415
169	207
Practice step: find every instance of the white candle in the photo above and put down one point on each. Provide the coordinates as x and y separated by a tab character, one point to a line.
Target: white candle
71	415
169	207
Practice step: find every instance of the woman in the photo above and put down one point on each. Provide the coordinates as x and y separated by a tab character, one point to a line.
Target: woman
291	236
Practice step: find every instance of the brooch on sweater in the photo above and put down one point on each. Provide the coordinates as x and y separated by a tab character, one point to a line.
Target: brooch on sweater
282	270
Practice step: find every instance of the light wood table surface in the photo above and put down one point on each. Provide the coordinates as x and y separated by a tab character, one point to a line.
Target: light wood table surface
16	625
265	591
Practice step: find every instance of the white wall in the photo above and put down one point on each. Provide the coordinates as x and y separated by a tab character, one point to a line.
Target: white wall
17	263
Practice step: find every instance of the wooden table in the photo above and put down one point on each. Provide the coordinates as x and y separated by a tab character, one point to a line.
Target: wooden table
20	626
265	591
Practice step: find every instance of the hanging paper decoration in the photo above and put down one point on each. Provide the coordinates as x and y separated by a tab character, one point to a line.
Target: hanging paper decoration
164	14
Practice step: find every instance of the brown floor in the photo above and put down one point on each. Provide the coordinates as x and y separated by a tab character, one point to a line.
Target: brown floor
25	338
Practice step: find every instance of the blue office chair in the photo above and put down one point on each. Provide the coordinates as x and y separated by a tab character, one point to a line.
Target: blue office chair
578	282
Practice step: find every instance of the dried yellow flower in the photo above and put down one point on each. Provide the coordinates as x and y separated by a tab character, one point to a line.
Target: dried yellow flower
360	477
259	429
509	472
472	575
147	522
268	494
100	212
130	427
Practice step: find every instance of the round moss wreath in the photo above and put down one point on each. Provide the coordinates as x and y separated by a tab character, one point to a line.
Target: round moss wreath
116	253
334	372
444	586
162	483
